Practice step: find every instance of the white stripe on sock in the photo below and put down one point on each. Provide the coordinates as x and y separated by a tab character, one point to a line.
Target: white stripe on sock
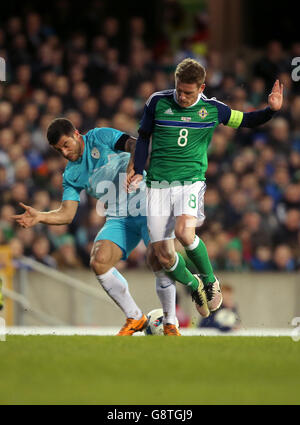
175	264
193	245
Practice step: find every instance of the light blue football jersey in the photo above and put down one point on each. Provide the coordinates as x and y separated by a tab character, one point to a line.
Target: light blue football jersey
101	171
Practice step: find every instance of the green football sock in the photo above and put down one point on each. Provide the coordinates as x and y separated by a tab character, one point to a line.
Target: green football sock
197	253
180	273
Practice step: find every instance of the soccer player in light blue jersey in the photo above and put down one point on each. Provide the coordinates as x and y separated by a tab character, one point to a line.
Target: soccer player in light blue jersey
96	162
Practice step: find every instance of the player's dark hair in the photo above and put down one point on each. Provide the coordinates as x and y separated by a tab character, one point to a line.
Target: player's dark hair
59	127
190	71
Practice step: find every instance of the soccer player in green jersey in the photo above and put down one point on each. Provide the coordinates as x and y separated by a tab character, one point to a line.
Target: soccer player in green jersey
181	123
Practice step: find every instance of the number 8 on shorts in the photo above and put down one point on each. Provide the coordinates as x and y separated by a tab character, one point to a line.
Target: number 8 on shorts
192	201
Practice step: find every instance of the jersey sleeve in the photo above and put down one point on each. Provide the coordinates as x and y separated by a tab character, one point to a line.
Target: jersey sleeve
145	131
147	121
237	119
108	136
252	119
70	193
224	111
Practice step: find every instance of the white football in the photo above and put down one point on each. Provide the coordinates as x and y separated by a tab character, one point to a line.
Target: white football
155	324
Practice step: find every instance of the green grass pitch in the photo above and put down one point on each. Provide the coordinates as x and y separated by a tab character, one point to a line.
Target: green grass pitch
149	370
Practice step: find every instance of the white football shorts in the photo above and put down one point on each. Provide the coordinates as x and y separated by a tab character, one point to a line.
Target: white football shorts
165	204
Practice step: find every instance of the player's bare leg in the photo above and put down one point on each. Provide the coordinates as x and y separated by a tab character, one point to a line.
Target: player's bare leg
197	253
166	292
104	256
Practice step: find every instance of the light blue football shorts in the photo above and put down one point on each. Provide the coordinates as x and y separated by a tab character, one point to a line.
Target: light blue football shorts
126	232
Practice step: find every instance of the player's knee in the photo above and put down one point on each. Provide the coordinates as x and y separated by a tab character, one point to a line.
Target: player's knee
153	262
185	235
165	257
99	262
164	262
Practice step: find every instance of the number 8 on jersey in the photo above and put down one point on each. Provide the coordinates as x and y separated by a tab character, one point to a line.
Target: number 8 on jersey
182	139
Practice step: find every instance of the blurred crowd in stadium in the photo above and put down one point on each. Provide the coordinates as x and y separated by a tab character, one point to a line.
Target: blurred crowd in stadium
104	79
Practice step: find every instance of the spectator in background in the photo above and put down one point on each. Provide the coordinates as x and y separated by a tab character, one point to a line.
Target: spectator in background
280	136
235	208
6	112
283	259
269	221
6	223
17	251
215	73
234	259
257	92
287	233
109	98
271	64
227	185
258	235
213	207
2	239
39	141
41	251
55	185
58	235
4	185
66	255
290	200
277	184
213	251
41	200
26	237
19	193
262	259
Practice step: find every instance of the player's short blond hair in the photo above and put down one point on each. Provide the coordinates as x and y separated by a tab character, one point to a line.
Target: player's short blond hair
190	71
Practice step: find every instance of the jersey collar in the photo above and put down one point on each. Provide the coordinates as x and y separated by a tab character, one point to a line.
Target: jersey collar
174	97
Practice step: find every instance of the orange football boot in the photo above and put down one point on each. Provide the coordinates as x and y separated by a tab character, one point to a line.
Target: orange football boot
133	325
171	330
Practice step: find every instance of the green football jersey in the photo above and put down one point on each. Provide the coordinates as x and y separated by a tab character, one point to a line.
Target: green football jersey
181	136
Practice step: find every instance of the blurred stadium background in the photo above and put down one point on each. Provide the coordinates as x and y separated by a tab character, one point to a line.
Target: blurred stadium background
97	64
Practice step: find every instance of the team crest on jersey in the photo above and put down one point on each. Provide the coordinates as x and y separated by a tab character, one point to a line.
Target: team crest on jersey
95	153
203	113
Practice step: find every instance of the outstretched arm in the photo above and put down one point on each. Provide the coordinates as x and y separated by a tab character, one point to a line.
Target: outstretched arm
253	119
31	217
